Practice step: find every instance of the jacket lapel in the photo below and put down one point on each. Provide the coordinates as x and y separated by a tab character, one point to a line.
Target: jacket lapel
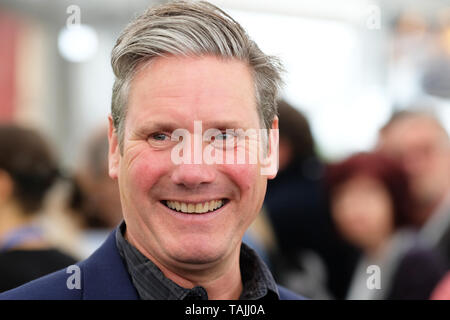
105	276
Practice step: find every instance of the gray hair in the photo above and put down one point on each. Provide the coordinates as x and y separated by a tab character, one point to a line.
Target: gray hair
190	28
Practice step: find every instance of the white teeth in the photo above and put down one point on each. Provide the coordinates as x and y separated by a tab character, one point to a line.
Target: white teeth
200	207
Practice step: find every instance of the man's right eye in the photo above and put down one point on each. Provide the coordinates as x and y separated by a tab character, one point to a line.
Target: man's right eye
159	136
158	139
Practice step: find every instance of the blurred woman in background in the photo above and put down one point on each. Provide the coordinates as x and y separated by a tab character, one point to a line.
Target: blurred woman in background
370	202
27	172
310	254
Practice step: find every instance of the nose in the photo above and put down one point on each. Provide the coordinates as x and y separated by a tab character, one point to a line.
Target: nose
193	175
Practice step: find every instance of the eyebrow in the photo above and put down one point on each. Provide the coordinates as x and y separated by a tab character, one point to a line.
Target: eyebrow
165	126
225	124
152	126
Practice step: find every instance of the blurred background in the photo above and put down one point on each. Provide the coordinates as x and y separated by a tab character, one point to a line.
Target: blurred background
350	65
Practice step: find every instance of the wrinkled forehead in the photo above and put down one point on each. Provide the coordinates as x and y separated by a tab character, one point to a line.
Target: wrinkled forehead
194	88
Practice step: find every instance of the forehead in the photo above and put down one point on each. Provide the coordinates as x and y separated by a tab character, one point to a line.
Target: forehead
193	88
415	130
364	179
360	184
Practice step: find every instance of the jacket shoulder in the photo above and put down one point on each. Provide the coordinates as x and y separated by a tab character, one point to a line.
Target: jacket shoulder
102	276
286	294
53	286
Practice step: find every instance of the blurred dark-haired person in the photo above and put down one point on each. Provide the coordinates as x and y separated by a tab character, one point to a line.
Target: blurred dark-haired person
420	142
94	200
310	255
370	203
27	171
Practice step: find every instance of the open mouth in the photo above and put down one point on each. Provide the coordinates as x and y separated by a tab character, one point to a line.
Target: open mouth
195	208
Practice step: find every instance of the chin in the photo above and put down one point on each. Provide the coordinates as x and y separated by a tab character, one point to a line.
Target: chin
197	258
199	253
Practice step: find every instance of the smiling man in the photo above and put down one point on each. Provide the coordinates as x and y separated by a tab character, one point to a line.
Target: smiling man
180	66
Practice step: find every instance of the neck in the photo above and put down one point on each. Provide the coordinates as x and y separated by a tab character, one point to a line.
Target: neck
426	209
12	217
221	280
376	250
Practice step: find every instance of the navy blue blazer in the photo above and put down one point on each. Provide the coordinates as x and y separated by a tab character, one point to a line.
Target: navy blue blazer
103	277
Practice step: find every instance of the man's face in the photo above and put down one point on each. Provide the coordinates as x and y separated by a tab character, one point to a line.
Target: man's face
424	150
171	93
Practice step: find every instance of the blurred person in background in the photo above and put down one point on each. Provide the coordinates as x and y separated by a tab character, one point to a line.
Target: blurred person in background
422	145
371	204
297	209
261	238
442	290
27	172
95	199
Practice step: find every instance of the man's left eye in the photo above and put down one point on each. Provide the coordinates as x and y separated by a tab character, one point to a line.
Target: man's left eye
224	140
224	136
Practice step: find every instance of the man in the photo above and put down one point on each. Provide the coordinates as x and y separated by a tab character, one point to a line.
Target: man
182	66
422	144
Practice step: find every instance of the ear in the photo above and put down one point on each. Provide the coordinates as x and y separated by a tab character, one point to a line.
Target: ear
114	151
6	187
270	163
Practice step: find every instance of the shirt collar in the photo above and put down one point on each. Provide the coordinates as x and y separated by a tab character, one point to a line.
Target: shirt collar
151	284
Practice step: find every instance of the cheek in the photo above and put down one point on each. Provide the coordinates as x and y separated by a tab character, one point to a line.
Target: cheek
380	205
350	217
245	176
341	218
385	216
252	186
144	171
